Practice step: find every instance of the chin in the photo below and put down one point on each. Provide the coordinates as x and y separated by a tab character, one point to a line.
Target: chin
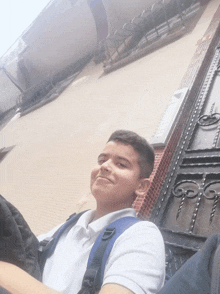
100	194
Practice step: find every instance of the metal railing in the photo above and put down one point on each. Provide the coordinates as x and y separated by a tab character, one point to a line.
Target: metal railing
158	21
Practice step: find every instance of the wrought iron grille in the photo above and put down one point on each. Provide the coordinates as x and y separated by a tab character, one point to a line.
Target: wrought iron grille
188	207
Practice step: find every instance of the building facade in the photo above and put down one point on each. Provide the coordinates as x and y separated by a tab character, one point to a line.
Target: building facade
148	83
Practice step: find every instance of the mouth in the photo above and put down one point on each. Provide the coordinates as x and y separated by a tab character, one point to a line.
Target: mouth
103	178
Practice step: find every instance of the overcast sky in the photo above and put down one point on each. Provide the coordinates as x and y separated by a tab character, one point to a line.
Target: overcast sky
15	17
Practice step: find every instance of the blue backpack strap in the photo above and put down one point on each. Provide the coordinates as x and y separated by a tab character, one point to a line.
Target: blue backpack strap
47	246
99	254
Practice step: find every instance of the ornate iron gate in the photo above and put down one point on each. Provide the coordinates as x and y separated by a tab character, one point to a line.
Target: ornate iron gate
188	207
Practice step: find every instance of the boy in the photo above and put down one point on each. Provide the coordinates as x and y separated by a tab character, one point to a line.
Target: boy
137	261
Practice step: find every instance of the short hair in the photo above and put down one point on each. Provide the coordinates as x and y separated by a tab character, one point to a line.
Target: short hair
141	146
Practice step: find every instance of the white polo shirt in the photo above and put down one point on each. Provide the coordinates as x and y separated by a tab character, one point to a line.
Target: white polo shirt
137	259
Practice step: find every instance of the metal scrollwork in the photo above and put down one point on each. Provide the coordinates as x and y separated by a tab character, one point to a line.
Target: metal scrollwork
208	120
212	192
185	189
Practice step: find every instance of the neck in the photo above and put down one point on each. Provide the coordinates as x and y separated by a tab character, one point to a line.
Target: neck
102	210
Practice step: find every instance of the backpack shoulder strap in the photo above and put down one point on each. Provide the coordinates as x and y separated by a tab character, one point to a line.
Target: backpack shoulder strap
101	249
47	246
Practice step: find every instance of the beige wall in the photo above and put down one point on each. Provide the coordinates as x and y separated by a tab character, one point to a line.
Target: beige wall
47	174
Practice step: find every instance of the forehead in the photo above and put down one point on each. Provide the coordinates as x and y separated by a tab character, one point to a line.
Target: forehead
119	149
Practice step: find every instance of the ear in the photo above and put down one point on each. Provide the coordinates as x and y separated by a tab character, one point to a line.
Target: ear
142	187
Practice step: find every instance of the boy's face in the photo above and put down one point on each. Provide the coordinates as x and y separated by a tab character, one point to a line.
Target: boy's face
115	178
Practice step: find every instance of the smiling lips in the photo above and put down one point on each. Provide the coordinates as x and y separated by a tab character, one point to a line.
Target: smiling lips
103	178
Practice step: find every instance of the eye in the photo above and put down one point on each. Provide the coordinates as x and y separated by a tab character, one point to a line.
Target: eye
121	165
101	160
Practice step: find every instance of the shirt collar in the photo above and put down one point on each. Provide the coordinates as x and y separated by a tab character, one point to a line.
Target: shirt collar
98	225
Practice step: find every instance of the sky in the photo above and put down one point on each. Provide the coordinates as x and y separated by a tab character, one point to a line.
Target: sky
15	17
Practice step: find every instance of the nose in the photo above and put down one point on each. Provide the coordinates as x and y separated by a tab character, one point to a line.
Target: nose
106	166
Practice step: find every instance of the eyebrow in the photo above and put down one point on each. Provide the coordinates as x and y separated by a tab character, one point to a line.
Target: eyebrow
102	154
124	159
117	157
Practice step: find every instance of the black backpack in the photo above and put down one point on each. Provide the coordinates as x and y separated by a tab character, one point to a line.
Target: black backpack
18	245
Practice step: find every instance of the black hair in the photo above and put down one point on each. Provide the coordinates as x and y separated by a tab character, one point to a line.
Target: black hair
141	146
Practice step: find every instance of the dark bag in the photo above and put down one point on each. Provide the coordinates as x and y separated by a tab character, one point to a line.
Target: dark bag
200	274
18	245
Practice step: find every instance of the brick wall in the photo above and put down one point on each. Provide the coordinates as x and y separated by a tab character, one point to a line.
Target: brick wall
149	200
162	162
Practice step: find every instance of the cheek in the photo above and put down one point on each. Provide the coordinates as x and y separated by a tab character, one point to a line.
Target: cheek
94	173
128	180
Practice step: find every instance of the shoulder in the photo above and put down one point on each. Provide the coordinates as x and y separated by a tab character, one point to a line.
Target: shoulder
137	259
142	241
143	230
142	238
83	217
48	234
